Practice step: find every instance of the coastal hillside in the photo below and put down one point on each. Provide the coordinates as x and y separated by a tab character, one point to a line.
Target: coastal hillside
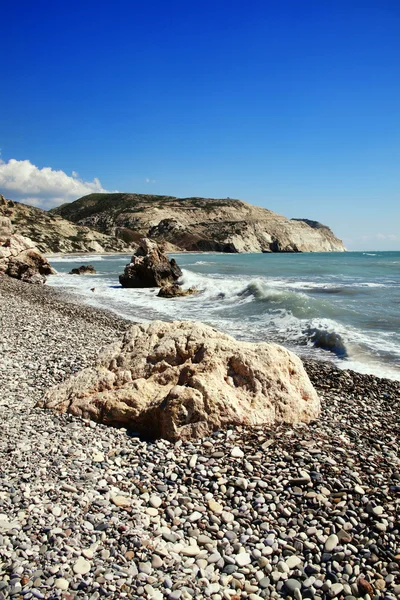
52	233
199	224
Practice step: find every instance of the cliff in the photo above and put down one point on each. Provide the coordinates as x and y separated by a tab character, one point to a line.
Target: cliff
52	233
198	224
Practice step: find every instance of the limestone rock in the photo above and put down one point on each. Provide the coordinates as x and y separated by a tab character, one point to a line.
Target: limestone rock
174	290
19	258
29	266
52	233
121	501
149	267
82	566
6	228
185	380
83	270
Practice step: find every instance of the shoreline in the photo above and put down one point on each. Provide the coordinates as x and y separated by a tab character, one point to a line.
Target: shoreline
312	508
63	254
59	298
179	252
302	351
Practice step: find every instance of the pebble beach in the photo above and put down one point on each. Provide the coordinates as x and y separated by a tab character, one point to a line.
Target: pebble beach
89	511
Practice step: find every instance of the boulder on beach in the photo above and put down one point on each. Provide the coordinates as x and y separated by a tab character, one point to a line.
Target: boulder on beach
184	380
149	267
19	258
83	270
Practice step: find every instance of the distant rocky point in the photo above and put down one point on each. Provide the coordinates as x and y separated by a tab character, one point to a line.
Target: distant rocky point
198	224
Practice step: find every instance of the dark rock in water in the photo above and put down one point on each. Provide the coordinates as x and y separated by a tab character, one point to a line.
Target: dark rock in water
150	267
327	340
83	270
175	290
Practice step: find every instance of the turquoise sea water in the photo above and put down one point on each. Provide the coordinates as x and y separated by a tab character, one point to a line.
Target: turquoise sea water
343	307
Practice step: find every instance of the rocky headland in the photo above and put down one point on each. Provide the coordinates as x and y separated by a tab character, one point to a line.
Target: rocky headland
198	224
117	222
307	510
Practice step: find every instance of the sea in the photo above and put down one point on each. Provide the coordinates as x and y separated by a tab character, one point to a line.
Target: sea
338	307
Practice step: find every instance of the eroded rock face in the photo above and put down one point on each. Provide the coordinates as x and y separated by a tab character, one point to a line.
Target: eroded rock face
184	380
19	257
192	239
149	267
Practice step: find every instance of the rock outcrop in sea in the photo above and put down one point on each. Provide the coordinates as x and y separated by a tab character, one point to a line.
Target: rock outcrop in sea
19	258
150	267
174	290
184	380
83	270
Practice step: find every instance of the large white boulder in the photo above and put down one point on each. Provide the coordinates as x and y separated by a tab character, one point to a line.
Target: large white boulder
185	380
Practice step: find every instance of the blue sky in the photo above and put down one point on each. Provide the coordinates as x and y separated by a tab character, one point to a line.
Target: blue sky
291	105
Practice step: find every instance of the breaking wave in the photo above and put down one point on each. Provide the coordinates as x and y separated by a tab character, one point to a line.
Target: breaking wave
83	259
334	318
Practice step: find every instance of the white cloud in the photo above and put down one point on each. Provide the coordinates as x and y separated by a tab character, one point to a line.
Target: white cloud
386	236
391	237
23	181
147	180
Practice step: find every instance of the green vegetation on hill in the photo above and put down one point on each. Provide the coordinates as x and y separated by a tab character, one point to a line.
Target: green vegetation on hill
118	203
52	233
